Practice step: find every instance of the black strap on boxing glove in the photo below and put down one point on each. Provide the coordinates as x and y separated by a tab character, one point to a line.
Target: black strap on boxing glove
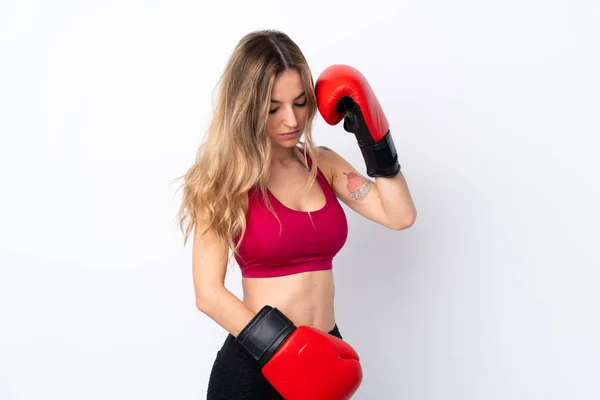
381	158
265	333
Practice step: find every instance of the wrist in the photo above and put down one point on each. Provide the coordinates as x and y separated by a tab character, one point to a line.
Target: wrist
265	333
381	158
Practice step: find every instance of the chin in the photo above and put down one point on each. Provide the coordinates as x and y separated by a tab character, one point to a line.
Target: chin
290	143
286	145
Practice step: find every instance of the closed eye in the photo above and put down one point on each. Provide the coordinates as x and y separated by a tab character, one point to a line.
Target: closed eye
303	104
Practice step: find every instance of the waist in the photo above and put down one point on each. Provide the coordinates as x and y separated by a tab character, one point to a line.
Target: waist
306	298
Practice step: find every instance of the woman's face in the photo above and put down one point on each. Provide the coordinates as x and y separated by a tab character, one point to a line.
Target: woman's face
287	115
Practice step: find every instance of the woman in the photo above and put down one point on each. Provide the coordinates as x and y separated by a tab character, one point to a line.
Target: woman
273	200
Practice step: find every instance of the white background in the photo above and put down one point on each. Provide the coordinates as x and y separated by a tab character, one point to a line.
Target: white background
493	105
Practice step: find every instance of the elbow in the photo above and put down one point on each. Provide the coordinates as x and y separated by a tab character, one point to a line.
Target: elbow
405	223
201	304
205	299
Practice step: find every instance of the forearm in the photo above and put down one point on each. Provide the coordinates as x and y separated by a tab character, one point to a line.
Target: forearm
225	309
396	200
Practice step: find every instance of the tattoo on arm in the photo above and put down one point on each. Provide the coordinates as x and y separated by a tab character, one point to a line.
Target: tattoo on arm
358	186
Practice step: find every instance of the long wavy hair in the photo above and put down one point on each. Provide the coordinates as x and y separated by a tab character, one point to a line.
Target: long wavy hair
235	153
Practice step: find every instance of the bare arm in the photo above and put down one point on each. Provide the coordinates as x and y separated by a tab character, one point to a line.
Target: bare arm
386	201
209	265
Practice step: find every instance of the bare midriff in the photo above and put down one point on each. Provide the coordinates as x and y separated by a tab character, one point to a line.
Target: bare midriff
306	298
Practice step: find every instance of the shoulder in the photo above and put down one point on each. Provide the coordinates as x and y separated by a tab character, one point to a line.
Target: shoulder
329	162
329	157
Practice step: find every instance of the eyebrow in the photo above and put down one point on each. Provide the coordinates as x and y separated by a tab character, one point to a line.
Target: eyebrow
296	98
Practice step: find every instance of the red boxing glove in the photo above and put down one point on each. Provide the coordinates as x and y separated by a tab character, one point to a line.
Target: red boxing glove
301	362
314	365
343	92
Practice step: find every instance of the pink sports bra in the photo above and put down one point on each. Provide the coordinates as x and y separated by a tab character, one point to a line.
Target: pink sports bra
302	246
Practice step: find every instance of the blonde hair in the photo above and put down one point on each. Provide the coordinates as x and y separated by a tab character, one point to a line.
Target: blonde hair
235	154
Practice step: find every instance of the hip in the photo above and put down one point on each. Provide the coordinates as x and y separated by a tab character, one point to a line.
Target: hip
236	375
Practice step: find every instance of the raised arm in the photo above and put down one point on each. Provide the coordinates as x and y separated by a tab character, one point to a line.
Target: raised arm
343	93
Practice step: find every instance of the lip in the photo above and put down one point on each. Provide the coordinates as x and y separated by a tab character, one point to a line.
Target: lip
289	134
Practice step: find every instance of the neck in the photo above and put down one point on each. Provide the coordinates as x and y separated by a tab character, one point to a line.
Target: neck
284	156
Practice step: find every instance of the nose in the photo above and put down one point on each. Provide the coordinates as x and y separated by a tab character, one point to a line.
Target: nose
290	119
